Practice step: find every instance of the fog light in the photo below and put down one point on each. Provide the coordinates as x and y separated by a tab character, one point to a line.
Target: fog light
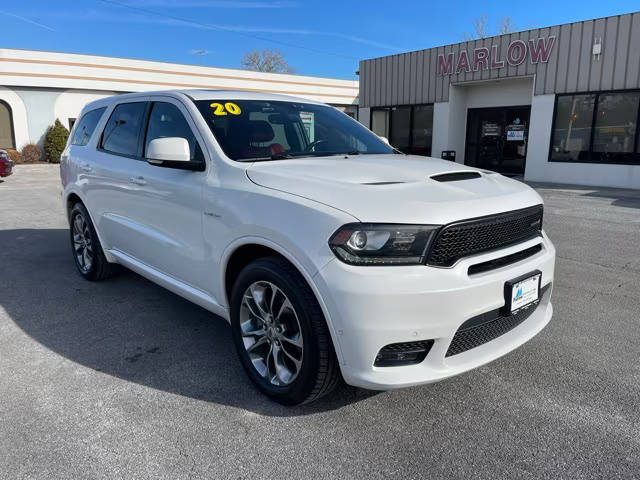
398	354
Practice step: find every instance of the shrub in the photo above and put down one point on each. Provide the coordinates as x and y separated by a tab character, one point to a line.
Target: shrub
31	153
55	141
15	156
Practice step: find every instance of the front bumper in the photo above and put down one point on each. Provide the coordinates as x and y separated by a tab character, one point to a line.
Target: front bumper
371	307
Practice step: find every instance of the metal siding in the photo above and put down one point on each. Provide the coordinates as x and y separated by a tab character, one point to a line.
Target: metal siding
379	79
369	91
419	79
552	64
364	83
433	59
522	68
584	68
396	83
439	78
486	73
595	76
573	66
413	81
406	92
388	69
540	69
412	78
475	74
633	64
609	53
622	52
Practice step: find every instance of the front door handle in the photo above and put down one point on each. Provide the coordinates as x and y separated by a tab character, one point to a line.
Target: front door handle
85	167
137	180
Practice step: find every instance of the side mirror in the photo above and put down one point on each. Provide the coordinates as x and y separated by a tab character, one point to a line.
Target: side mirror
172	152
173	149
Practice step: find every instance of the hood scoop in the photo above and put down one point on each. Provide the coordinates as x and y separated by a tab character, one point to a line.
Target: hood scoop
455	176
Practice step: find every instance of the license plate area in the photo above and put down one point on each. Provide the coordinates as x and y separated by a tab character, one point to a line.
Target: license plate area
522	292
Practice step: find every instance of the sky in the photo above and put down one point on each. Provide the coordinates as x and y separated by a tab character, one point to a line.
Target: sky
320	38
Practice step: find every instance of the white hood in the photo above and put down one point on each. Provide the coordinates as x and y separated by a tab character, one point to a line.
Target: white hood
359	185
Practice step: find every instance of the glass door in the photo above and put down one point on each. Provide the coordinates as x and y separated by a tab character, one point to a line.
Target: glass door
497	139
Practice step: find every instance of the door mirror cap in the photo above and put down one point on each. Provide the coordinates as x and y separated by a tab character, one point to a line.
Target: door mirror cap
170	149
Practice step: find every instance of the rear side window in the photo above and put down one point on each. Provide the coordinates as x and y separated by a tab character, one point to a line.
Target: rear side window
122	133
166	120
86	126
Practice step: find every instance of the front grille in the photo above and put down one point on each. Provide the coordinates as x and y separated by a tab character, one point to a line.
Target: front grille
469	237
488	326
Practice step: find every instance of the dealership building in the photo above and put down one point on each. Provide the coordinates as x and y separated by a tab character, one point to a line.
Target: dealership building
36	88
556	104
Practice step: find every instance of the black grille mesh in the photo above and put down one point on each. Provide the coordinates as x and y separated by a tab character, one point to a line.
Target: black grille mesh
471	337
469	237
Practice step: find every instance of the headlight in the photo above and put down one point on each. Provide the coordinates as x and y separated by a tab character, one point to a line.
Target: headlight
382	244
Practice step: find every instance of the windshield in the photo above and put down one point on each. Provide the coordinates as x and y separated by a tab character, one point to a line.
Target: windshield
251	130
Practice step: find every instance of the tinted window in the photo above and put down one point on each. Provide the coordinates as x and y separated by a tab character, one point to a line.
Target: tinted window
572	130
614	134
166	120
380	122
599	127
122	133
253	129
86	126
422	131
400	136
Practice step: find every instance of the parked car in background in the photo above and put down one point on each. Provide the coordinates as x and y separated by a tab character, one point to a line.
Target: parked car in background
6	165
330	253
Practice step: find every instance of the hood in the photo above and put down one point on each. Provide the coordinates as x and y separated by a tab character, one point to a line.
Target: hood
396	188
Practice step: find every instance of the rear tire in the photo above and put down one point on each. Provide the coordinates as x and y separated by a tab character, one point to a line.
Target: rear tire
280	333
87	252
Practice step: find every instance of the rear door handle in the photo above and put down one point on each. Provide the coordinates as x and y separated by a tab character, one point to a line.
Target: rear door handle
85	167
137	180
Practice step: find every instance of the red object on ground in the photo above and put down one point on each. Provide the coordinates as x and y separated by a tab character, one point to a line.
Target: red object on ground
6	165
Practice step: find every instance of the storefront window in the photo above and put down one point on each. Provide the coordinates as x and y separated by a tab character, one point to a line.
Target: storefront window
401	128
616	127
408	128
597	128
380	122
422	131
572	128
6	127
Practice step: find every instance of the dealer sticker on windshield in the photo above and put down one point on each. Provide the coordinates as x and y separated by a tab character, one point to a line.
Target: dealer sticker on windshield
525	292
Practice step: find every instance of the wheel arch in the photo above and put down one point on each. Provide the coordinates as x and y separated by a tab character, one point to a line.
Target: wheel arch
241	253
71	198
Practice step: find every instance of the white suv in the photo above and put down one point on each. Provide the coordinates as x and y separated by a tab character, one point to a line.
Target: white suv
330	253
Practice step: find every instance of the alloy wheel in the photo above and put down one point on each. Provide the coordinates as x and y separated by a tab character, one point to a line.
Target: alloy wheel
82	246
271	333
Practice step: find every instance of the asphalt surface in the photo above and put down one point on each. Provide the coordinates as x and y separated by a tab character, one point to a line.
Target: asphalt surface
123	379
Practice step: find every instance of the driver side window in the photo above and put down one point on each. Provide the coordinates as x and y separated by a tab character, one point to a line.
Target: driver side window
166	120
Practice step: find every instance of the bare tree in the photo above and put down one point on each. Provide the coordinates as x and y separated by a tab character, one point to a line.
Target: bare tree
506	25
481	28
266	61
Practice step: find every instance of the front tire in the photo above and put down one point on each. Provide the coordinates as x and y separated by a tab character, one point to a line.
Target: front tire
85	246
280	333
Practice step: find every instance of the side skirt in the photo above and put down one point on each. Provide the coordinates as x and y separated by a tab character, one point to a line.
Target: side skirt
179	288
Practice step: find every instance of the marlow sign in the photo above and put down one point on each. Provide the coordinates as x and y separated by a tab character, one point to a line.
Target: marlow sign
538	50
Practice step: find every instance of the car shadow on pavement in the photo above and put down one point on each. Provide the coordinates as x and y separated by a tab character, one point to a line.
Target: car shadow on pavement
130	328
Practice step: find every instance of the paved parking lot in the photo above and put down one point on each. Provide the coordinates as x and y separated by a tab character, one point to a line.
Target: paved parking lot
123	379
